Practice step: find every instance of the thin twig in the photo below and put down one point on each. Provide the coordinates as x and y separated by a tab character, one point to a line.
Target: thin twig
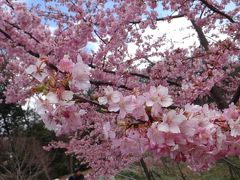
145	169
161	19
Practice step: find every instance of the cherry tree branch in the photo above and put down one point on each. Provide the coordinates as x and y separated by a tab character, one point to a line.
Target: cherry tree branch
101	83
214	9
161	19
18	28
98	83
9	4
145	169
100	37
202	38
215	91
236	96
19	44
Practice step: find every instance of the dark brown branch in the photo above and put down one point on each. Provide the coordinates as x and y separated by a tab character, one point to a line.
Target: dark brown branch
139	75
171	82
161	19
82	99
100	83
145	169
10	5
17	27
100	37
236	96
6	35
113	72
217	96
214	9
170	17
150	62
202	38
20	45
215	91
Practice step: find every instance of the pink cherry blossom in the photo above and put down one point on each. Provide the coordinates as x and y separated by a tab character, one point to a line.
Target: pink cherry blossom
80	76
111	96
157	98
155	136
125	106
61	97
107	131
140	111
38	71
171	122
235	127
158	95
65	64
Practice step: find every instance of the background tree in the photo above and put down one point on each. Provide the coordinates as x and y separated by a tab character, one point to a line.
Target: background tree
22	137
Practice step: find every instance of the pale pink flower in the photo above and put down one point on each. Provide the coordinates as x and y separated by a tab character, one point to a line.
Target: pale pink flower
155	136
220	138
192	109
235	127
38	71
52	98
189	128
157	98
133	143
171	122
65	64
139	111
124	106
108	133
111	96
43	108
80	76
61	97
158	95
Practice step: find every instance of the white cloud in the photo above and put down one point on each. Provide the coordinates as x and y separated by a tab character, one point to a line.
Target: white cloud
178	34
52	29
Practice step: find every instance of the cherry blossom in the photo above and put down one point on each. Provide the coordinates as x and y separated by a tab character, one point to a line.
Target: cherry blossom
80	76
235	127
61	97
107	131
157	98
110	96
66	64
171	122
125	106
38	70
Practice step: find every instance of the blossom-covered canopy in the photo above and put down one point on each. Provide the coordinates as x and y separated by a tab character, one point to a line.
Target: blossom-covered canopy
116	105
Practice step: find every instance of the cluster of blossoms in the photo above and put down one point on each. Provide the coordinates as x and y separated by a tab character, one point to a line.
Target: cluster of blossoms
196	134
55	105
150	125
135	105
